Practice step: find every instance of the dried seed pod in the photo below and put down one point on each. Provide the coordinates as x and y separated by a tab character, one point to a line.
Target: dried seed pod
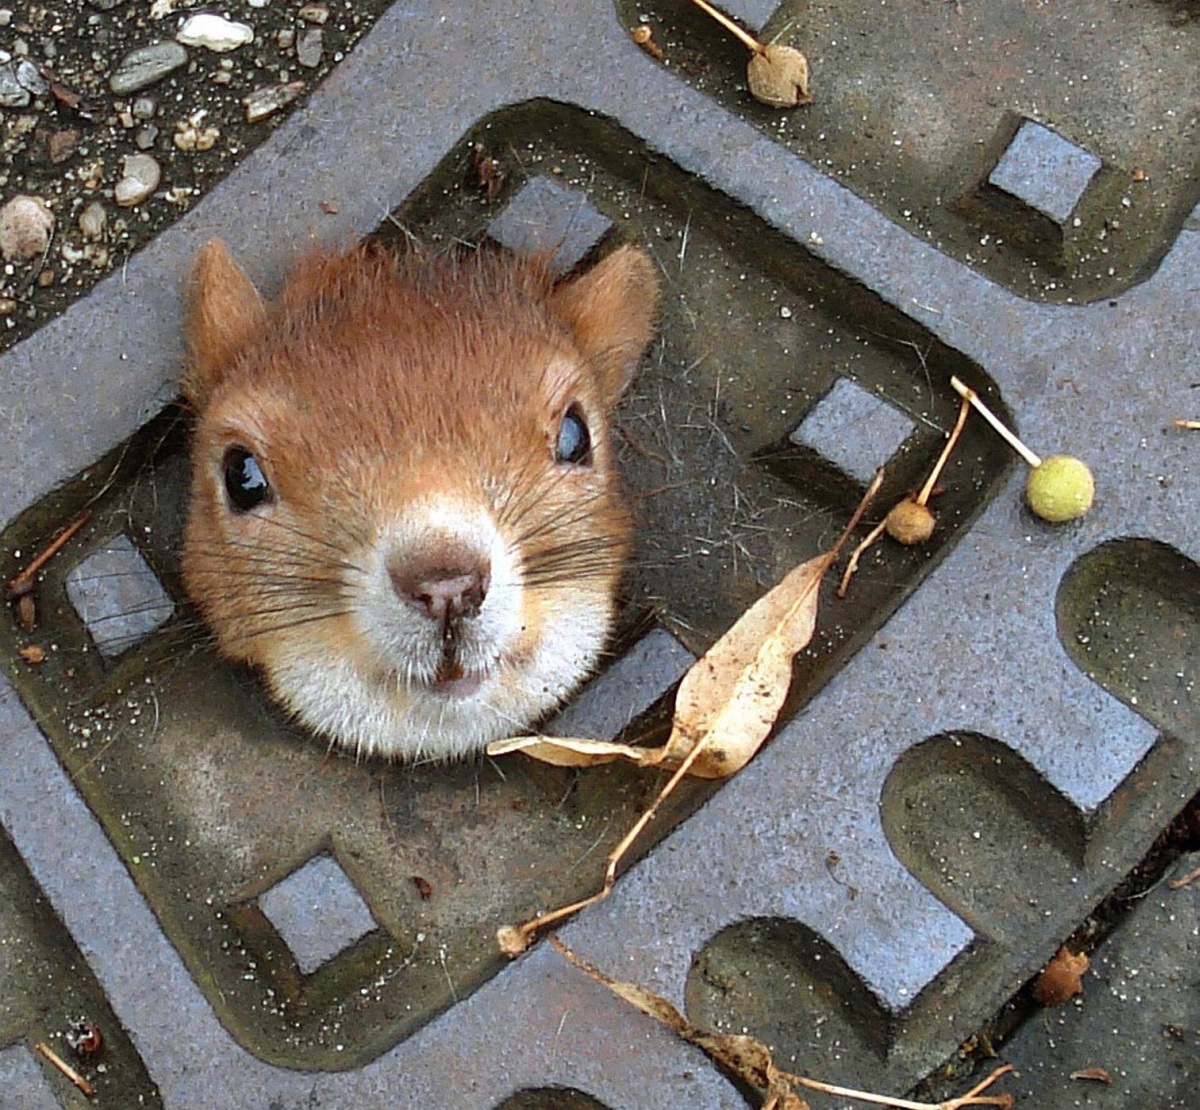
778	77
909	522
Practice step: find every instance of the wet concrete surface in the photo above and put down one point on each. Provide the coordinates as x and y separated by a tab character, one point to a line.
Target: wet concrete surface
981	742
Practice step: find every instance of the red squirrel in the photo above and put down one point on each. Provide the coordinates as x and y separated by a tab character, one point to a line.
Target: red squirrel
404	510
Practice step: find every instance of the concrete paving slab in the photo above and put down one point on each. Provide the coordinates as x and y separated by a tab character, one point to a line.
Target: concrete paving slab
1138	1019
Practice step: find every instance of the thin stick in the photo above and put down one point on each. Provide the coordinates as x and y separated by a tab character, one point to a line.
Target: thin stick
972	1098
1020	448
852	564
1191	425
65	1068
936	472
23	582
746	39
515	940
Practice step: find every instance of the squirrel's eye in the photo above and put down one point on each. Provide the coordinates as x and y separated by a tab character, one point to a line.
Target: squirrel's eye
245	482
574	441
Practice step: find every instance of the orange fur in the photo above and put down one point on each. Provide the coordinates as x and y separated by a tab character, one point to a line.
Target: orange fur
405	405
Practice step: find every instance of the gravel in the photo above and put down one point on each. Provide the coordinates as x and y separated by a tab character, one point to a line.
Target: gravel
116	118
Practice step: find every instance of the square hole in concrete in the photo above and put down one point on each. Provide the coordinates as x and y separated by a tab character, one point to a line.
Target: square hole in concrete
318	912
1045	171
752	14
545	216
854	429
117	596
629	687
22	1082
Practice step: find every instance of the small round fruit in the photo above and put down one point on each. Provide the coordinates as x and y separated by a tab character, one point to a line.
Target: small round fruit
909	522
1061	488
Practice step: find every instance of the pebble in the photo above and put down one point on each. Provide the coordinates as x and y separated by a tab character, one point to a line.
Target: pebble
314	13
26	225
145	65
140	175
93	221
193	134
146	137
267	101
30	77
214	32
310	46
12	93
144	107
61	145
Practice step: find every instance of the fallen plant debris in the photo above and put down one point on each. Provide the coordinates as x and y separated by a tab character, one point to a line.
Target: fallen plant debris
910	521
725	708
1184	880
644	37
1191	425
1061	979
1098	1075
777	75
22	584
1059	488
749	1060
65	1068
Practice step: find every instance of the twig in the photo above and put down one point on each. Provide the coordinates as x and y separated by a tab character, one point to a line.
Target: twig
1184	880
966	391
972	1098
936	472
852	562
65	1068
1191	425
515	939
23	582
748	40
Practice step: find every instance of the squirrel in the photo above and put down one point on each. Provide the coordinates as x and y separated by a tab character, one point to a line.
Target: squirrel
404	511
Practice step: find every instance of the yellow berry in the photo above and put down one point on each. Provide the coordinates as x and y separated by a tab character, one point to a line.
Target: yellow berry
1061	488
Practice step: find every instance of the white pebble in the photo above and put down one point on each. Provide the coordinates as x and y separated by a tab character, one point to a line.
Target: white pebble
26	224
214	32
140	175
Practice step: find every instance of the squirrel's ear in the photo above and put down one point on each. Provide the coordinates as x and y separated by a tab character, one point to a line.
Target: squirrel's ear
610	311
223	311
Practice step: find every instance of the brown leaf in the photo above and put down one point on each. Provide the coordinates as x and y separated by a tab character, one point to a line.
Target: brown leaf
33	654
733	694
744	1057
1100	1075
1061	979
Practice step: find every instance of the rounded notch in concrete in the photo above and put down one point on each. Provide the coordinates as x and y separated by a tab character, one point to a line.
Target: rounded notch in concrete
781	981
551	1098
1128	615
982	830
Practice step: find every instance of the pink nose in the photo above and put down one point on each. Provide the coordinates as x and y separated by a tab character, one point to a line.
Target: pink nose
441	585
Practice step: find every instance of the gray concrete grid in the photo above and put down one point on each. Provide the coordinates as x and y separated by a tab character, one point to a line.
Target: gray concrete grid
1100	381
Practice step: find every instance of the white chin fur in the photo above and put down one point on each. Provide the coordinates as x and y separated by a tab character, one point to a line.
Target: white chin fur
389	711
404	722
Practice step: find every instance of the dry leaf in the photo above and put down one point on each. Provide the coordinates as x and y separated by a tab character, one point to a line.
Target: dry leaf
563	751
778	77
750	1061
1061	979
33	654
724	710
1100	1075
732	695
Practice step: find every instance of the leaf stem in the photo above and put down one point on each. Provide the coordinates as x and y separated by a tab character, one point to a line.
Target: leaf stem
966	391
746	39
